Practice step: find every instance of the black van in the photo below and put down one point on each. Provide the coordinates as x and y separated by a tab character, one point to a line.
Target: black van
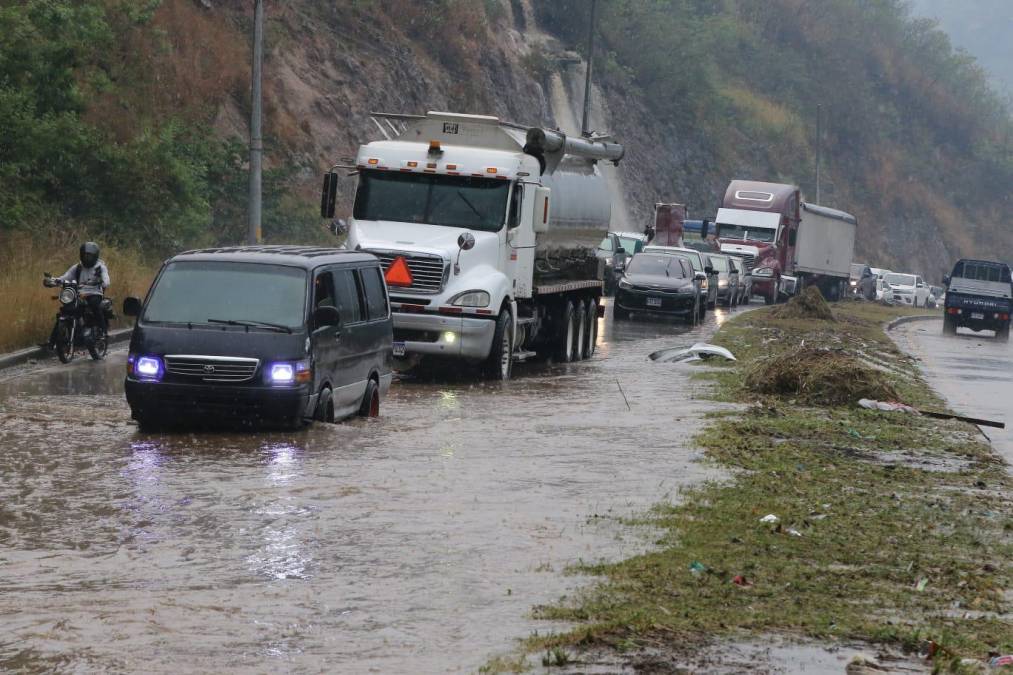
260	334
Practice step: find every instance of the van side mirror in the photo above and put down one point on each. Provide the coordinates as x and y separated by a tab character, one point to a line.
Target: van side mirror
792	237
329	195
325	315
132	307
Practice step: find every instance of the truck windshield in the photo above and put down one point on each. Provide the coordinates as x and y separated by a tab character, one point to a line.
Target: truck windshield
656	265
197	292
900	279
727	231
454	201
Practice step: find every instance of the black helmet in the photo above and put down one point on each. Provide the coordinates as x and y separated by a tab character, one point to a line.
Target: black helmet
89	254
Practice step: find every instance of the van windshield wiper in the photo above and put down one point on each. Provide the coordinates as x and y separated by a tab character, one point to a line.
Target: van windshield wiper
254	324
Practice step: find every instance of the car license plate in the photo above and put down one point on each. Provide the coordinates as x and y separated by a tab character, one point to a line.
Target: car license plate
399	349
977	315
654	302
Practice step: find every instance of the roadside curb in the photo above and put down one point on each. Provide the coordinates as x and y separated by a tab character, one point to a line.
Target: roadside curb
900	320
39	353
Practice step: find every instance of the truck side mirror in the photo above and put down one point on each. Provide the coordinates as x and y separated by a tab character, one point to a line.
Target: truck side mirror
540	222
329	195
132	307
792	237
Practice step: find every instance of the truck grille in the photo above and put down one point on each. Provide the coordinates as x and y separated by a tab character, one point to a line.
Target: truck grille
748	260
429	272
211	368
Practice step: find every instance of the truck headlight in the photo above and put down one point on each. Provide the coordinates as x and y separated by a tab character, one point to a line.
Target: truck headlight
470	299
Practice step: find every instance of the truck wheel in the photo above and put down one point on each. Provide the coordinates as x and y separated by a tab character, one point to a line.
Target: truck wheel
499	364
1002	335
580	330
565	335
949	325
591	331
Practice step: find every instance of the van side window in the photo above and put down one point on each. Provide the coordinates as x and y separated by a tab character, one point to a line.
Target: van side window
323	291
348	303
376	293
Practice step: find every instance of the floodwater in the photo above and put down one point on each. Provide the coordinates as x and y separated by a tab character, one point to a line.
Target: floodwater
415	542
970	370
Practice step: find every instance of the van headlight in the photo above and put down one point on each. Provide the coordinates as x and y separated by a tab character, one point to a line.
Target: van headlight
289	372
470	299
625	284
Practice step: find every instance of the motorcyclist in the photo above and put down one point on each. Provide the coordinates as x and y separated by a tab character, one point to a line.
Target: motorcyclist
92	277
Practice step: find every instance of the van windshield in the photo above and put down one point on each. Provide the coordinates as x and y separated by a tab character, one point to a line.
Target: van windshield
455	201
199	292
726	231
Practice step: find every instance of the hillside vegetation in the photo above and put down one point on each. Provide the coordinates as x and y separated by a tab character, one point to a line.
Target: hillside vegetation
125	120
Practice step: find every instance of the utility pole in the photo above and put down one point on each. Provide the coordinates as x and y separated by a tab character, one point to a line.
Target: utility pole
254	231
819	147
584	130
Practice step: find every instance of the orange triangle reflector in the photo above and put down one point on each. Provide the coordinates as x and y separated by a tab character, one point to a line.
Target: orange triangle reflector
398	273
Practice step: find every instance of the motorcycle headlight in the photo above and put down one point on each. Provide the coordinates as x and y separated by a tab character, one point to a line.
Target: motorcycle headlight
68	295
470	299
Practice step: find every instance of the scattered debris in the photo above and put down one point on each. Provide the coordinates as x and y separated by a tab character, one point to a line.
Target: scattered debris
999	661
820	377
697	567
809	304
742	581
862	664
769	518
793	532
886	406
922	583
701	350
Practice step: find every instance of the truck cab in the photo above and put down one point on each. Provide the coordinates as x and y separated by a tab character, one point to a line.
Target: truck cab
469	216
759	222
979	296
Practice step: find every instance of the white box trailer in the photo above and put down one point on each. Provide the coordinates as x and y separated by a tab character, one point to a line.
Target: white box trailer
824	249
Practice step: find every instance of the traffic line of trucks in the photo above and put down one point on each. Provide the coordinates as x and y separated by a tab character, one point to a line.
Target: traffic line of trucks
487	234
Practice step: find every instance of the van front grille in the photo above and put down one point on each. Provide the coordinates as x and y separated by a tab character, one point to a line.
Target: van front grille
429	272
211	368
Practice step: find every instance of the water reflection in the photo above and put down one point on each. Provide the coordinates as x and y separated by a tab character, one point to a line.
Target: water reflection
282	552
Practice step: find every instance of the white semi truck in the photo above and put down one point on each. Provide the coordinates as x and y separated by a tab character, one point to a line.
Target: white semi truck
486	232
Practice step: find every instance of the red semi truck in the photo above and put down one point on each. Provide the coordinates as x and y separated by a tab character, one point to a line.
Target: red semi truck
759	223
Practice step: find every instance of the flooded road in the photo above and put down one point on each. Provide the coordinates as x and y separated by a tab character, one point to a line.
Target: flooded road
415	542
972	371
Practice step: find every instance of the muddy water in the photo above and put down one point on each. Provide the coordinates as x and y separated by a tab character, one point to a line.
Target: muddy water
972	371
416	542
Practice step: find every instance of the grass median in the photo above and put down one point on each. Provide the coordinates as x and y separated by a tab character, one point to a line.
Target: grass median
888	527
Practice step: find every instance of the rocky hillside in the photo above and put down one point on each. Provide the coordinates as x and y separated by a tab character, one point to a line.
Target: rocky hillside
916	145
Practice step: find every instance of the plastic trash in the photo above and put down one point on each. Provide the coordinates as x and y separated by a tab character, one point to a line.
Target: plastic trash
701	350
922	583
769	518
742	581
999	661
793	532
886	406
697	567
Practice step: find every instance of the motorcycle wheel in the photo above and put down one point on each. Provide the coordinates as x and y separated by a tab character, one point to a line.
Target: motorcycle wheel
99	346
64	343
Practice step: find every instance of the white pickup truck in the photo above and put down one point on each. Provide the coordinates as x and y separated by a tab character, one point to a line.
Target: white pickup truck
486	232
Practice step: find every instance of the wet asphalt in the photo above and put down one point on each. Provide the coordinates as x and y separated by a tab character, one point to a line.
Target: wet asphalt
415	542
972	371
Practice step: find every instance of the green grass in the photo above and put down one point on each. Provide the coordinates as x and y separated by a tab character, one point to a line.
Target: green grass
862	520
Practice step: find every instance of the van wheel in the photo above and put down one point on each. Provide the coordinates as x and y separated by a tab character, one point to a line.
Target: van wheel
591	332
499	364
325	407
580	331
370	406
565	337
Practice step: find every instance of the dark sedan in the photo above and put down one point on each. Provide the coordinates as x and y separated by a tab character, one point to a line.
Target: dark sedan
659	283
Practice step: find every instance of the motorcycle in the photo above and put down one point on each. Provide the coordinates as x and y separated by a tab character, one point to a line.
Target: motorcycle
76	325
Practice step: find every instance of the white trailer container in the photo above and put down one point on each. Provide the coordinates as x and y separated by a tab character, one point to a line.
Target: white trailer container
824	249
487	233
